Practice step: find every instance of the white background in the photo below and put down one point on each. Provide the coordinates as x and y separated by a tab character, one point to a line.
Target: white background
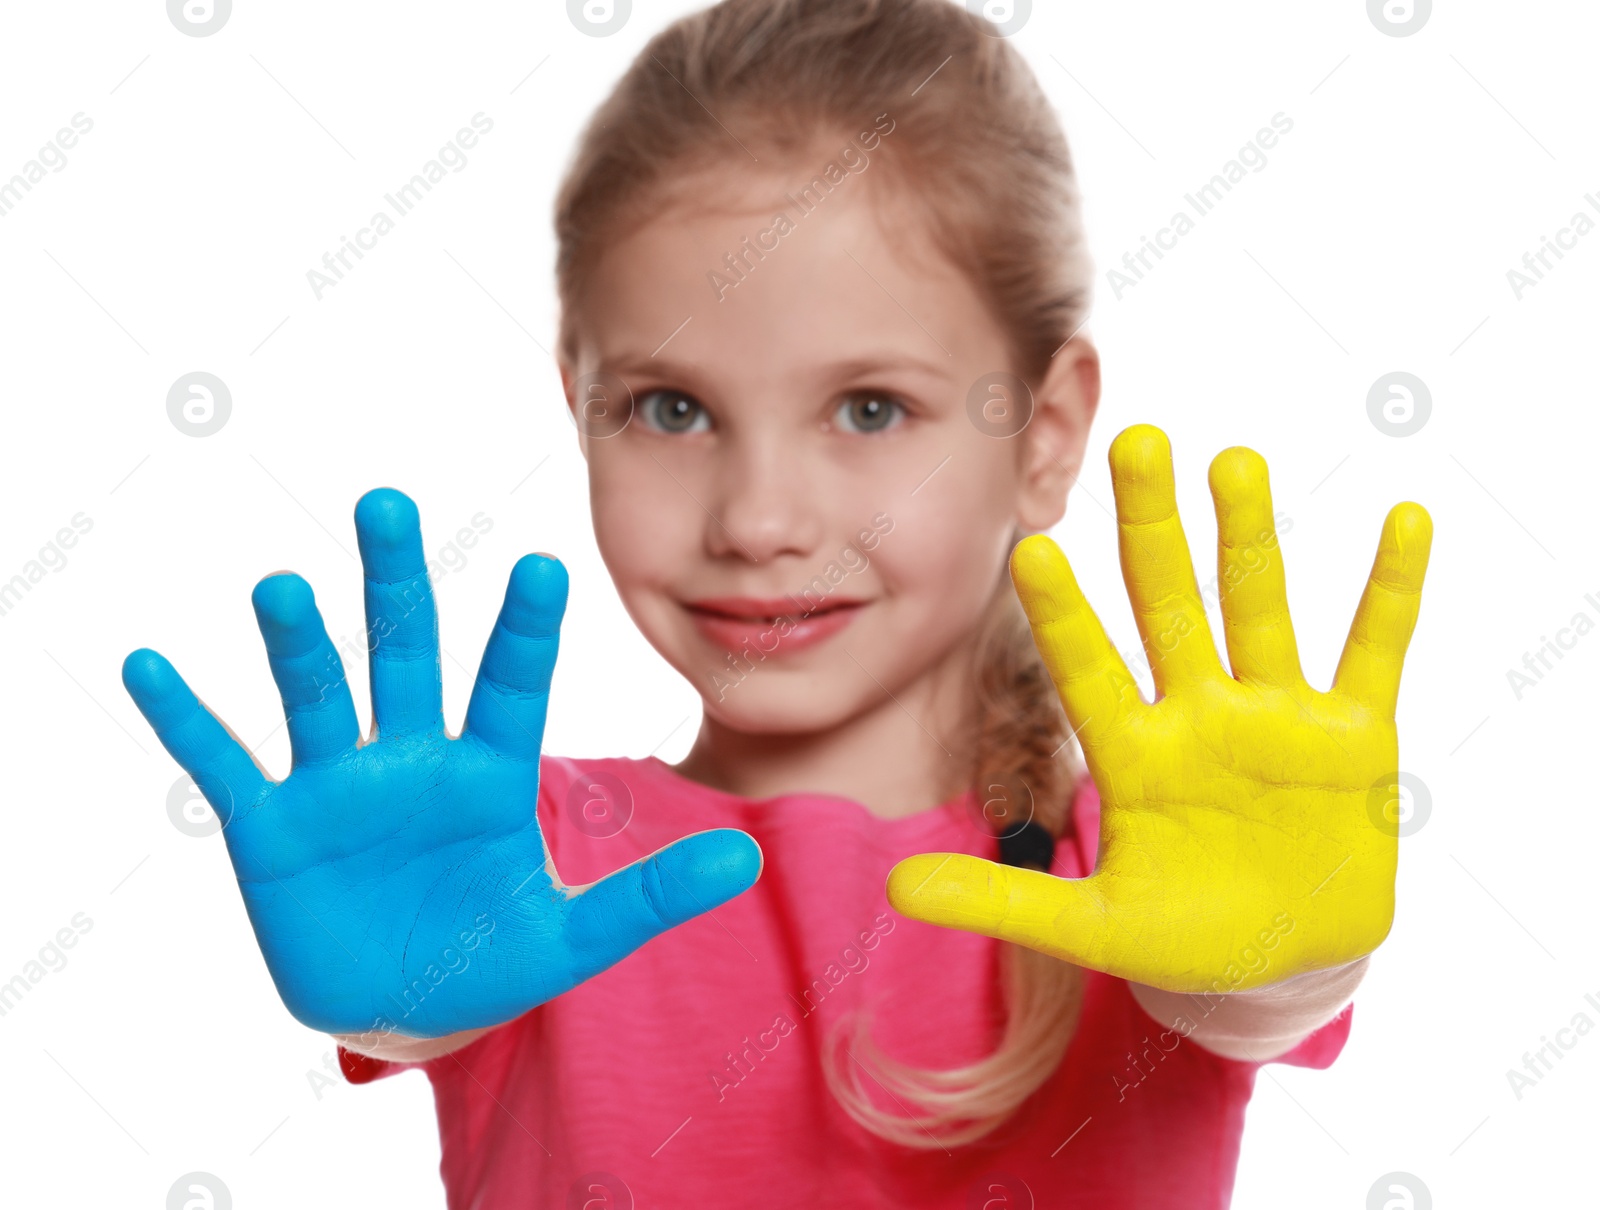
178	236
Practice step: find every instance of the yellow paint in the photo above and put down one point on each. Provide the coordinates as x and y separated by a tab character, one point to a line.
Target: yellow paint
1241	840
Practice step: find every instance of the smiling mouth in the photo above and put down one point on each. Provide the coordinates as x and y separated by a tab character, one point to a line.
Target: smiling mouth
775	626
770	610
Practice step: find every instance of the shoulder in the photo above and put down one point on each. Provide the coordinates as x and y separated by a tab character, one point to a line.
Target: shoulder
558	773
582	798
560	776
594	787
600	813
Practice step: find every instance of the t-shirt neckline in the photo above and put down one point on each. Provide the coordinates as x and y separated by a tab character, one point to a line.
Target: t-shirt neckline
928	819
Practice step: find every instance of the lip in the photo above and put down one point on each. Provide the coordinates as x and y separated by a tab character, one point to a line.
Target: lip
771	627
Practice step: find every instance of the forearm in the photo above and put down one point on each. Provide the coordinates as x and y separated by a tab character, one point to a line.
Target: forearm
1261	1023
398	1048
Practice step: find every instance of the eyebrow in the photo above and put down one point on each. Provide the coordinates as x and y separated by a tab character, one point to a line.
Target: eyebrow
860	367
847	368
646	365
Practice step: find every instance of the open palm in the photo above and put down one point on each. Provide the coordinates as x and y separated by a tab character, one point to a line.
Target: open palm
1247	824
402	884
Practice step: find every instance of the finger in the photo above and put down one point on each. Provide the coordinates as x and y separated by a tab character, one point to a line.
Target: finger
1156	563
307	669
1255	602
1369	669
402	626
217	762
1096	689
1061	916
512	692
615	916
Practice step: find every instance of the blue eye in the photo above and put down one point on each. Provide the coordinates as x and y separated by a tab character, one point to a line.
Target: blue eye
674	412
869	412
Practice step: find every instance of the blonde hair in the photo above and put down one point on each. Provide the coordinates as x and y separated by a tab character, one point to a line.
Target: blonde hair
978	151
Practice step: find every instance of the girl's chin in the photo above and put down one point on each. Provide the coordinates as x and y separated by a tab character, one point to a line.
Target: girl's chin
763	701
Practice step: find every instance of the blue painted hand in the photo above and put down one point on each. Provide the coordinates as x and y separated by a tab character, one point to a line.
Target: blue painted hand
403	882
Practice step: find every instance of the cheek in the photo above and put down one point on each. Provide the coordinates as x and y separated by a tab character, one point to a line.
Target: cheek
644	532
949	579
952	537
945	557
645	541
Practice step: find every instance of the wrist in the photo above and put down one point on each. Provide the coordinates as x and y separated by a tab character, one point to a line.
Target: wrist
399	1048
1325	985
1261	1023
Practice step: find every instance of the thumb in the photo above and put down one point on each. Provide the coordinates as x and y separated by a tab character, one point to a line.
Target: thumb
1064	917
615	916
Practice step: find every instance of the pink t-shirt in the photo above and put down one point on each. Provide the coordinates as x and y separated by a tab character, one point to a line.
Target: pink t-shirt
688	1074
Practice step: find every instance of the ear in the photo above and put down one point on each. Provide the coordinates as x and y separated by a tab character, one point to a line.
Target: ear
569	374
1053	442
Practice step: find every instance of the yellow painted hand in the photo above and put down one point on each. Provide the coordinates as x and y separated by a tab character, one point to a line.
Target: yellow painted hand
1247	828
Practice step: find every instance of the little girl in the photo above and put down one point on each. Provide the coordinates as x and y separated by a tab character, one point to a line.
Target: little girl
822	275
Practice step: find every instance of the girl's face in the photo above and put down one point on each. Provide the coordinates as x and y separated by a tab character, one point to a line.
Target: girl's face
800	513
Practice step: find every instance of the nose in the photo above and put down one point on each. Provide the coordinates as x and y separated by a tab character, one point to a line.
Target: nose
765	503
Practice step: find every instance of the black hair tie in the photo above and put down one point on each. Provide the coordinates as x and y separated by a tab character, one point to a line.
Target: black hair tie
1029	844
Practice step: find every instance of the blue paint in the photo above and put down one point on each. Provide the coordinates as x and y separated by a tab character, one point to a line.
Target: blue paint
403	884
